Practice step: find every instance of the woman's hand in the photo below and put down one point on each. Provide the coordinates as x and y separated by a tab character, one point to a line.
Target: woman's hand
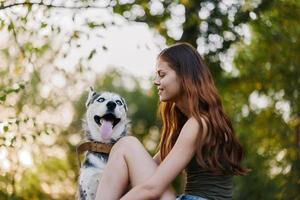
141	192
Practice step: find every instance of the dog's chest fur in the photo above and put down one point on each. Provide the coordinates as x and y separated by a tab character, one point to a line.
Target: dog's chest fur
90	174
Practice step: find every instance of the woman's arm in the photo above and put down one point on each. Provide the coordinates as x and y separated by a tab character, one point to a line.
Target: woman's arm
177	159
157	158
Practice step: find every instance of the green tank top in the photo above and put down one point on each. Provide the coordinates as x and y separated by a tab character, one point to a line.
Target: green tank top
207	185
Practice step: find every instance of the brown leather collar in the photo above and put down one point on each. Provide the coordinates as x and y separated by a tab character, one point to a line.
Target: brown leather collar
92	146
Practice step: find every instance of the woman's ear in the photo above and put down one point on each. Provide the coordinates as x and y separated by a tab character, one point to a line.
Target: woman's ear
90	96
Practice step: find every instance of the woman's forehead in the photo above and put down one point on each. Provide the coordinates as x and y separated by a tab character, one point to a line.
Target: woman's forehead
162	65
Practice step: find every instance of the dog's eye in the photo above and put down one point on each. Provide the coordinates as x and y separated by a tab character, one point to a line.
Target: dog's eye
119	102
101	100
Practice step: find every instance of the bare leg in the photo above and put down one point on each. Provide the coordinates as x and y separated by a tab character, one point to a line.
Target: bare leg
128	162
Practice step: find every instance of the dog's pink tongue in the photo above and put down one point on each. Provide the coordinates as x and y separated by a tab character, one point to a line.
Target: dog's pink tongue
106	129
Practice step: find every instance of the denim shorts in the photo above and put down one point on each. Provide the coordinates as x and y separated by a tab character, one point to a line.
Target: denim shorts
189	197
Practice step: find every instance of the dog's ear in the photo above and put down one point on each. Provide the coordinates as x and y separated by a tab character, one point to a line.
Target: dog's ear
92	93
124	103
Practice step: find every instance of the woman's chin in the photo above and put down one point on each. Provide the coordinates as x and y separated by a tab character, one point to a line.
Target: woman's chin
163	99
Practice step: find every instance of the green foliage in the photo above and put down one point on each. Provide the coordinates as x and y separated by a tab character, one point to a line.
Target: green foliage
211	25
268	66
7	91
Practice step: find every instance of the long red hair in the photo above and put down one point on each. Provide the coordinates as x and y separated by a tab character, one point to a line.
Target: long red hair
218	150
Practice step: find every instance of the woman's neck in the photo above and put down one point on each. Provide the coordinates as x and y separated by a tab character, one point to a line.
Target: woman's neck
183	106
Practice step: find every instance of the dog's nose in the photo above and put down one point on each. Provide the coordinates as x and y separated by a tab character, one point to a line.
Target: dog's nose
111	105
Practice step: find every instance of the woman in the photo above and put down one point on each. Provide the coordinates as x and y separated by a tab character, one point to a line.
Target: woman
196	136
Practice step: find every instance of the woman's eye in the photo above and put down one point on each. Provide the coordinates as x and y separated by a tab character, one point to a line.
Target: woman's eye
101	100
161	75
119	102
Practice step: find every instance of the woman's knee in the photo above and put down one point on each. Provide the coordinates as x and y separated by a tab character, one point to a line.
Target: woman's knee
125	144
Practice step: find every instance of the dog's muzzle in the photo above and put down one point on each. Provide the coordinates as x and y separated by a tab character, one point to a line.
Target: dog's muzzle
108	117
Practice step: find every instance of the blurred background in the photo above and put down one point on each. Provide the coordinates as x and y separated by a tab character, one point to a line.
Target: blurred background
51	51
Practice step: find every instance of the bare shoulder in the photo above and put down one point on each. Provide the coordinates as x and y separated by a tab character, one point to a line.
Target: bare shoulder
190	129
193	126
192	123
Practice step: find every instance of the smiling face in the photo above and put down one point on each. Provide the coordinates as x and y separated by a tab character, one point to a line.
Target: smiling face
167	82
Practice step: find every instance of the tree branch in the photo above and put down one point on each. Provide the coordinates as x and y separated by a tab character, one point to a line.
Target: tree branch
2	6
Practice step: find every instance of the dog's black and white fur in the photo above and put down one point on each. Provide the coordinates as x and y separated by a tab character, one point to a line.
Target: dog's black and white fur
100	106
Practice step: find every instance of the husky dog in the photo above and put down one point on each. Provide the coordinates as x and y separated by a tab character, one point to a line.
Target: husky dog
106	122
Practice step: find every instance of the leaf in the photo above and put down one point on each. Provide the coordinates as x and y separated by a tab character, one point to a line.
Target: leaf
13	140
92	54
3	98
26	119
10	26
44	48
104	48
44	25
91	25
24	138
1	24
75	35
22	86
5	128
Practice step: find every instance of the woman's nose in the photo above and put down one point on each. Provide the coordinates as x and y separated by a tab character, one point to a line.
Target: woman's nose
156	81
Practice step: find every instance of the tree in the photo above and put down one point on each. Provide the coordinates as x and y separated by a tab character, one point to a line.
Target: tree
269	72
211	25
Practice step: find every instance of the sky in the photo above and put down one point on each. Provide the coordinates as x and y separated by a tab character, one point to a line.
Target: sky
131	46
